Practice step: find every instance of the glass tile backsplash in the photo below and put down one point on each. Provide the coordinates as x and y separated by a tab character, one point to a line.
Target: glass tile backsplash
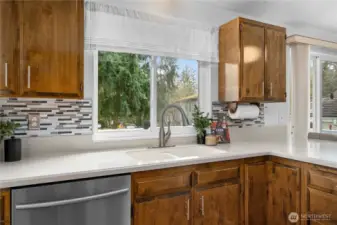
57	116
220	110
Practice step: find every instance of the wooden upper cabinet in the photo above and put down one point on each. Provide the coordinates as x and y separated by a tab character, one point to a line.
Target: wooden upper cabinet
252	58
251	61
275	76
9	33
218	205
52	47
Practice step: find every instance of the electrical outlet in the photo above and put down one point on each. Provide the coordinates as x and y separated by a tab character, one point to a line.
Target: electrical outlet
34	121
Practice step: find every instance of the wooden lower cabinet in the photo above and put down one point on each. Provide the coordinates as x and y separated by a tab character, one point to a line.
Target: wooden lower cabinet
164	210
320	198
5	207
284	191
217	206
256	191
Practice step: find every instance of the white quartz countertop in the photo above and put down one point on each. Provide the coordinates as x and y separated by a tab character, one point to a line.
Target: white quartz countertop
39	170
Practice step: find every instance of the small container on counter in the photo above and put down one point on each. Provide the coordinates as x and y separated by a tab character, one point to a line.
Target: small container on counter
211	140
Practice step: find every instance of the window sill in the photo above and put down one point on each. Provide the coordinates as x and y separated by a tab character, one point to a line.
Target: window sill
138	134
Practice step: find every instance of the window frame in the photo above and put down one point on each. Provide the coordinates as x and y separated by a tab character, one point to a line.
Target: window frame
317	91
136	134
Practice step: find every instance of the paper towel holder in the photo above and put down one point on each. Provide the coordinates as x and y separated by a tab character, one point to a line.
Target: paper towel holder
233	106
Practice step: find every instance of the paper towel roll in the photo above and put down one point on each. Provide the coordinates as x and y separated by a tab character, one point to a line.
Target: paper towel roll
247	111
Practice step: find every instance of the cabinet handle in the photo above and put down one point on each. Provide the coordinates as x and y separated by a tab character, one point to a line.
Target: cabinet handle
70	201
202	206
263	87
188	209
28	77
271	88
6	74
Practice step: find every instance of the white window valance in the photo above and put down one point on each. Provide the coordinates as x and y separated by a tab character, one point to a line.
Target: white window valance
111	26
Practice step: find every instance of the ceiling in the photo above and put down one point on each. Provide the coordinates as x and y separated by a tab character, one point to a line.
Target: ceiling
314	18
319	14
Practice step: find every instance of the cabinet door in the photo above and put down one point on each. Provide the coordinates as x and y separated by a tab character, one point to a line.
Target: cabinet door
174	210
52	45
217	206
252	62
283	193
324	204
5	207
256	191
8	48
275	78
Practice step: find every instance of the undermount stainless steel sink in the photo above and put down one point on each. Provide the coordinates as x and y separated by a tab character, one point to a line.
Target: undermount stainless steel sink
173	153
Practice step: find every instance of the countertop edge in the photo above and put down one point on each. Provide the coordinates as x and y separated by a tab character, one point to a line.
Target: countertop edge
153	166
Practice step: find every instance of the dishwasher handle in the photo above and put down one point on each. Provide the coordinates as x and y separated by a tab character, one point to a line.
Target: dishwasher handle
70	201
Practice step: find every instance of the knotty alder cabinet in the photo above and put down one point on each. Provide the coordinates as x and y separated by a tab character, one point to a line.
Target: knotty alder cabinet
320	195
42	48
202	194
5	206
252	191
252	62
9	58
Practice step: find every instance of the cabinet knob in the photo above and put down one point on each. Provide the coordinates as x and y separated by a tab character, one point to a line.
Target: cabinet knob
247	91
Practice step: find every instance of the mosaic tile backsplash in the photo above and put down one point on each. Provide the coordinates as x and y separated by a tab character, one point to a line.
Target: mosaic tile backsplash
220	110
57	116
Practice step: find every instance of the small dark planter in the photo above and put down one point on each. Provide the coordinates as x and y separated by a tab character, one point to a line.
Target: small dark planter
201	139
12	149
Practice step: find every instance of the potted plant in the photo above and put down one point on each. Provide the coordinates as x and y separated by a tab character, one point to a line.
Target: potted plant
12	146
200	123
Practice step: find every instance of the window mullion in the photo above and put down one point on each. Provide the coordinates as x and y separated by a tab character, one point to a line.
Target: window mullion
318	95
153	94
95	93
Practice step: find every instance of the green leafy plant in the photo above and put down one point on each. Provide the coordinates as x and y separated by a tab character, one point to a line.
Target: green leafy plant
7	128
200	122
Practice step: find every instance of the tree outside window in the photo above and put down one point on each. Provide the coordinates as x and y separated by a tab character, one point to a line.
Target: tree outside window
124	89
329	96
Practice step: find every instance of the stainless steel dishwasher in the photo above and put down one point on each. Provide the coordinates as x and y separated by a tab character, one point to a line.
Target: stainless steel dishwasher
101	201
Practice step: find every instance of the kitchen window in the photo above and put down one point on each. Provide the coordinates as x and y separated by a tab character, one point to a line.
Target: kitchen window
323	94
133	89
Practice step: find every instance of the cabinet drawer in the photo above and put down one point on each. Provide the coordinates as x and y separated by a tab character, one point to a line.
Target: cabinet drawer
152	186
323	203
325	180
217	175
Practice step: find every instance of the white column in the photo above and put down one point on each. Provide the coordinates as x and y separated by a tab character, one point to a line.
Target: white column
300	77
205	87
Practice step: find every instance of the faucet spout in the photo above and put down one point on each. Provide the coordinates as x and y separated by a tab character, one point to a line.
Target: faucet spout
163	138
